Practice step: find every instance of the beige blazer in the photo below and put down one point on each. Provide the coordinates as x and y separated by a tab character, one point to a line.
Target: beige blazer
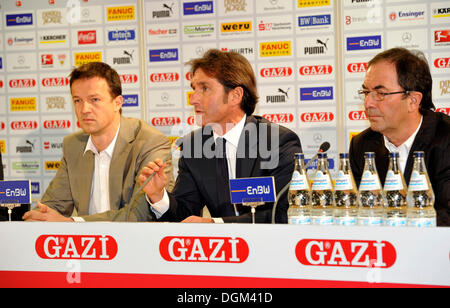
136	145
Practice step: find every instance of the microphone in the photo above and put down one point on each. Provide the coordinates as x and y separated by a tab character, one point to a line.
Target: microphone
177	144
325	146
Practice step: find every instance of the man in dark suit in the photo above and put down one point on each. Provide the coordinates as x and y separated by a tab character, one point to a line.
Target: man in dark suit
397	100
224	100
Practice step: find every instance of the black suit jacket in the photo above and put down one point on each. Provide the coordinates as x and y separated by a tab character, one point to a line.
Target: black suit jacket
195	186
433	138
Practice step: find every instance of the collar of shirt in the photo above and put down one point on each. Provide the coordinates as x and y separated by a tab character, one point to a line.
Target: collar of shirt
404	148
90	146
232	136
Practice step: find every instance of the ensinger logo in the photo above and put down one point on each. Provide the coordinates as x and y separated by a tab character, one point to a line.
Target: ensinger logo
316	70
78	247
364	42
120	13
275	49
319	93
204	249
196	8
345	253
19	20
279	117
163	55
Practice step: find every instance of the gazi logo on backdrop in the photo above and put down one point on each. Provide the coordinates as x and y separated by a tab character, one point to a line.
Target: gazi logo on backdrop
165	121
316	70
279	117
79	247
316	93
276	72
314	117
204	249
163	55
345	253
196	8
364	42
164	77
356	67
442	63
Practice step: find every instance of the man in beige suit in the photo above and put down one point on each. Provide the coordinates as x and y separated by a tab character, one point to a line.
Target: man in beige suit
100	164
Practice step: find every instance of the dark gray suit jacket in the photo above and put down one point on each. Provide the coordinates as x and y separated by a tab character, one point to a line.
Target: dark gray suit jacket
433	138
195	186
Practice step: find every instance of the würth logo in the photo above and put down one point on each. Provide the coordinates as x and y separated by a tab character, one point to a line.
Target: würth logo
80	247
204	249
345	253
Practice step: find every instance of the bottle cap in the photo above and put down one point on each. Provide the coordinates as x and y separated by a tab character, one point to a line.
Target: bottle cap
299	156
322	155
419	153
369	155
343	155
394	154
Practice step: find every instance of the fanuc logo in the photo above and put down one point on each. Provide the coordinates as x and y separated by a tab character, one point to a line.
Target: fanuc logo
204	249
345	253
78	247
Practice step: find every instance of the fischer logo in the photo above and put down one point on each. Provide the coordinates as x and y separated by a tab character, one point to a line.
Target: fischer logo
55	82
275	72
311	117
204	249
128	78
316	70
279	117
444	110
442	63
79	247
164	77
166	121
345	253
357	67
24	125
87	37
57	124
22	83
357	115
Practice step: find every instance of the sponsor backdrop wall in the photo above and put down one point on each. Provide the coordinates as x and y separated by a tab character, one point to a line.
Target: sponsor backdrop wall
309	56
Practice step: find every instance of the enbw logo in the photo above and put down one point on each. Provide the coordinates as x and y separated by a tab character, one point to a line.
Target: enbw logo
19	20
364	42
130	100
195	8
163	55
317	93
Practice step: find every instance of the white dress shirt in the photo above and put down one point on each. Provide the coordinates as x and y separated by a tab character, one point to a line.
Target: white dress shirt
99	197
403	149
232	138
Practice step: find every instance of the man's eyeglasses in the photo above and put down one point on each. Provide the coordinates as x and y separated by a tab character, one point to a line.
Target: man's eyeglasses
378	96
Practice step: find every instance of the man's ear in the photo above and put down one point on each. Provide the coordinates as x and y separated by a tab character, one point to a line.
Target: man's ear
415	98
118	101
236	95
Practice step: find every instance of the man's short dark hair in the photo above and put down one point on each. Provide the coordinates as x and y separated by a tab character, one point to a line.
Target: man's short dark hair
101	70
232	70
413	72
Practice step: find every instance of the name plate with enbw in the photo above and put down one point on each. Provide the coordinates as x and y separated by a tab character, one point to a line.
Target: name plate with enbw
248	190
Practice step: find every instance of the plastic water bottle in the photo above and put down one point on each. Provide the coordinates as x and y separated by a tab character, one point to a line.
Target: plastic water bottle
322	198
299	195
394	194
346	194
371	210
420	197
